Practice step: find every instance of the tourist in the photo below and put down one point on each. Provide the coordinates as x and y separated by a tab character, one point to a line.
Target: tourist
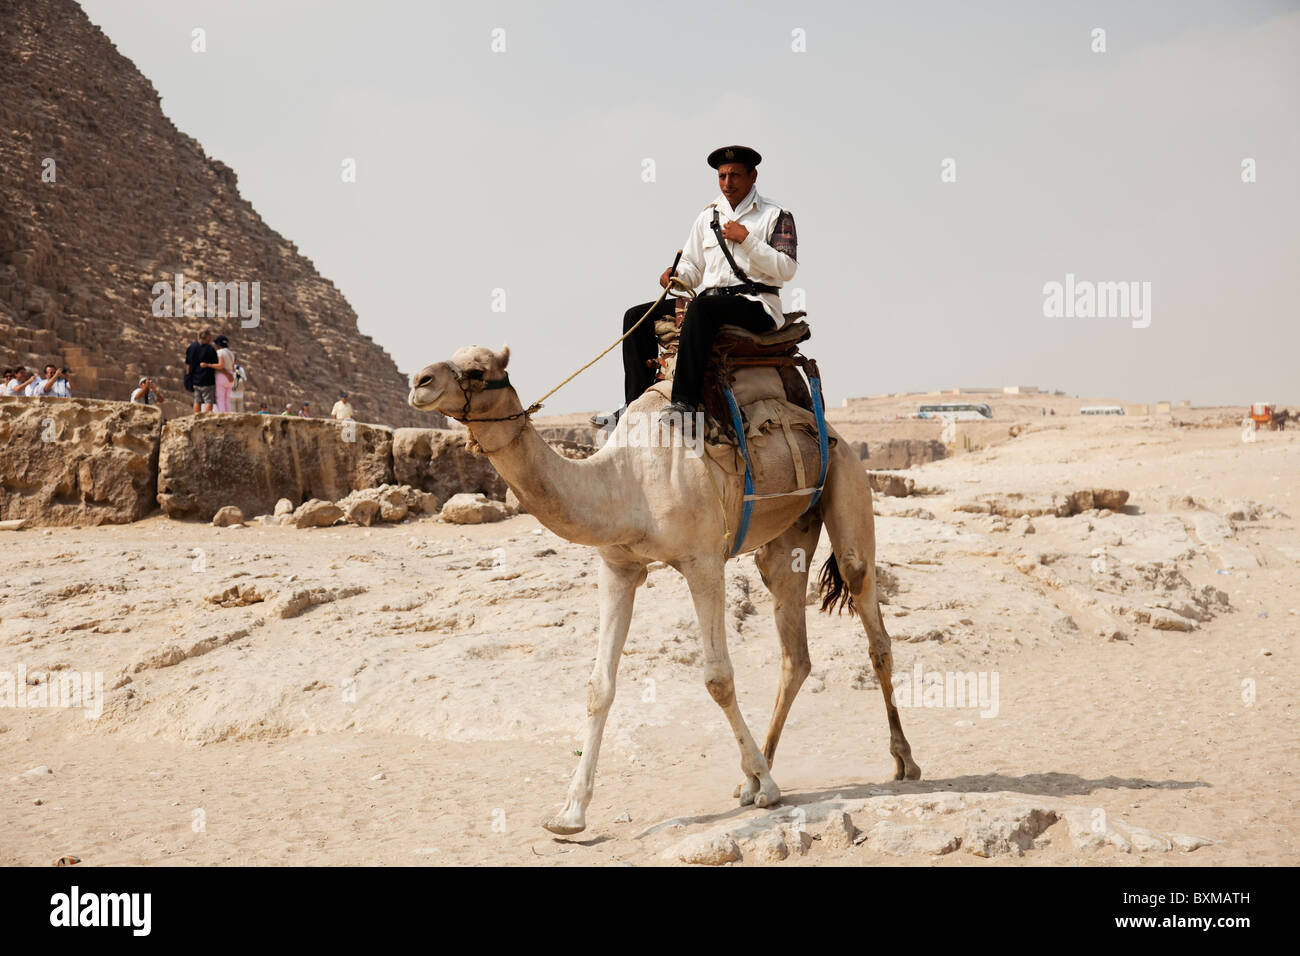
237	390
288	409
12	383
261	409
15	381
342	409
201	359
55	384
146	393
223	372
304	412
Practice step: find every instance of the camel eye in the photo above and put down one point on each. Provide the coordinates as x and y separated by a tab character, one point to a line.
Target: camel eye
475	373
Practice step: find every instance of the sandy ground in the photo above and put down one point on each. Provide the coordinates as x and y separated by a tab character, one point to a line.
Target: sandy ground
414	693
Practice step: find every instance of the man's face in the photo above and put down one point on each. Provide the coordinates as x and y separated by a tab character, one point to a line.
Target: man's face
49	370
736	181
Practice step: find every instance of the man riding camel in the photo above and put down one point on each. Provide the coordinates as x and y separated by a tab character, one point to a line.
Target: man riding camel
741	248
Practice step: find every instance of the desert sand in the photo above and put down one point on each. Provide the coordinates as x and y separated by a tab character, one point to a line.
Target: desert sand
414	693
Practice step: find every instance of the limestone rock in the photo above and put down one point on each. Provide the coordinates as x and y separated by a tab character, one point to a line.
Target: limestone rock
283	507
363	511
1016	504
838	832
227	516
387	503
907	839
706	849
393	506
316	514
472	509
436	460
252	461
292	603
1003	830
768	846
74	461
895	486
897	453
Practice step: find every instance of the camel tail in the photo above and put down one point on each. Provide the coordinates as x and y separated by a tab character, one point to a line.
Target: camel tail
832	588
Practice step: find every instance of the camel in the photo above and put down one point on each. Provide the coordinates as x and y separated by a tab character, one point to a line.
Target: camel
640	505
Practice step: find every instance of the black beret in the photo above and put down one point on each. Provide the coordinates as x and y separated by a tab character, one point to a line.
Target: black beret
734	154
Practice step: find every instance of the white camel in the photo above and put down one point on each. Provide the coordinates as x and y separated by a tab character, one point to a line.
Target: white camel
638	505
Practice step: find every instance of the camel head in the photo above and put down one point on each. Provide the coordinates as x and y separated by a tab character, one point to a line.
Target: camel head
473	378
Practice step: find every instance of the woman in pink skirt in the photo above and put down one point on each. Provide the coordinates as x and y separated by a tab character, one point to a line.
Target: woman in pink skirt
225	373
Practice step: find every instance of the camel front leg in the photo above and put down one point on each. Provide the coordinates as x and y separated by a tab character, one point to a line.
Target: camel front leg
618	584
707	580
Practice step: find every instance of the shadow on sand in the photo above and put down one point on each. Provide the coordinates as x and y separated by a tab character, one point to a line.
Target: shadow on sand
1039	784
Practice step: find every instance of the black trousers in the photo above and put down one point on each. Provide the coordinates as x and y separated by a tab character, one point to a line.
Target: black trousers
705	315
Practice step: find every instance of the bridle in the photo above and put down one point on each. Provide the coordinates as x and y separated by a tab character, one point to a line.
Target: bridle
470	384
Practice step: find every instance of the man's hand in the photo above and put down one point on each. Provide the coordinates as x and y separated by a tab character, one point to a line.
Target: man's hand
735	232
663	279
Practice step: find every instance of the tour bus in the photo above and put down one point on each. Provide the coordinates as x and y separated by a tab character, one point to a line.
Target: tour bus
1102	410
958	411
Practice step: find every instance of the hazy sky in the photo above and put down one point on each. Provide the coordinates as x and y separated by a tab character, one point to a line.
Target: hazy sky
523	170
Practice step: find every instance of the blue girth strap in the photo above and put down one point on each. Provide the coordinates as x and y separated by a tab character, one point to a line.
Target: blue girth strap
747	508
823	447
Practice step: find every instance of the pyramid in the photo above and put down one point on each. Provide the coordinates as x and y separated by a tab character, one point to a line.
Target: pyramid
102	198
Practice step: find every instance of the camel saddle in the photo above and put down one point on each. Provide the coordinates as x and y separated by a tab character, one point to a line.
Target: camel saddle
754	365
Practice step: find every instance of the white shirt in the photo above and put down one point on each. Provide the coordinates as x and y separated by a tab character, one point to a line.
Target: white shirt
11	387
227	360
36	389
341	410
703	264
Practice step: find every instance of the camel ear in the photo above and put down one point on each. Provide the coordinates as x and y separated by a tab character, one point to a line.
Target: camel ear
503	357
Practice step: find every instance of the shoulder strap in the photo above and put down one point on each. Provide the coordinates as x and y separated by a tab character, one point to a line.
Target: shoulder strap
722	244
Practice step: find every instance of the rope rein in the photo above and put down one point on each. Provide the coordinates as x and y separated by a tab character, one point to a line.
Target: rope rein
673	280
536	406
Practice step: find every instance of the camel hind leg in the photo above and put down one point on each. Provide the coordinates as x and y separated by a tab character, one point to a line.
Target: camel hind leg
783	565
851	571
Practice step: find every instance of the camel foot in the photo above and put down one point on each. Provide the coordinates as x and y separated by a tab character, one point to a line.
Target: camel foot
758	791
566	822
769	794
747	791
905	768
